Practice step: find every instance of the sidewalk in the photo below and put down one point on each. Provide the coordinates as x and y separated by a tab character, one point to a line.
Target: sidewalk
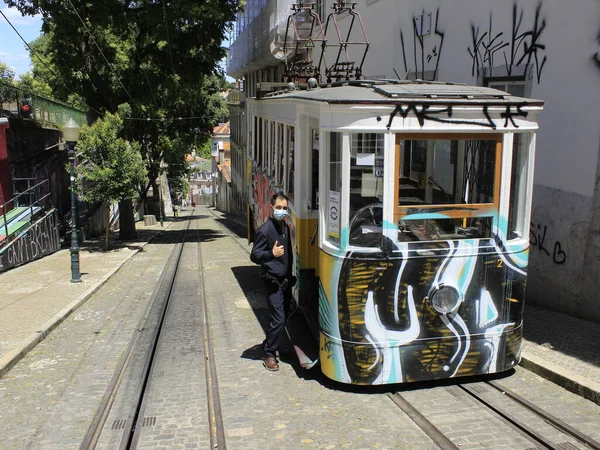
38	296
563	349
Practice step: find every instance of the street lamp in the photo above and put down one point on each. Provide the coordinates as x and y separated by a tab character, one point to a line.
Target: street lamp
71	135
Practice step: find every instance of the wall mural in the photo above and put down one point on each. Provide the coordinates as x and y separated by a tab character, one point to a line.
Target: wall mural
262	188
522	46
378	326
423	56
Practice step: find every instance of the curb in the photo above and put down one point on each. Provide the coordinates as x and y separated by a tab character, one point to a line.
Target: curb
12	357
565	378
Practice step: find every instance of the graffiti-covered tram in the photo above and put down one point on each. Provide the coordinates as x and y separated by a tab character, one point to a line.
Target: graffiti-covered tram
410	206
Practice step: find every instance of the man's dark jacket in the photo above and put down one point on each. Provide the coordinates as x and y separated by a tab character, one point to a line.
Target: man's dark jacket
270	232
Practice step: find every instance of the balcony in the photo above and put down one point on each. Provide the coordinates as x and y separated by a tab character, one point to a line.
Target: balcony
259	44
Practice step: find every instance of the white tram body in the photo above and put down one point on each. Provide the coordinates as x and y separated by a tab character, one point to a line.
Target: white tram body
410	204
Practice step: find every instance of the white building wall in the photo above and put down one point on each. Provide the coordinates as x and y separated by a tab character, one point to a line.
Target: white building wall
564	71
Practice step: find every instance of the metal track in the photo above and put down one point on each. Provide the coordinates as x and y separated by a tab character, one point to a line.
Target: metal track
215	417
546	416
161	293
93	435
528	432
429	428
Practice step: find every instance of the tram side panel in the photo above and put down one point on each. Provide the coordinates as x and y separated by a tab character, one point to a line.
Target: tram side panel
378	326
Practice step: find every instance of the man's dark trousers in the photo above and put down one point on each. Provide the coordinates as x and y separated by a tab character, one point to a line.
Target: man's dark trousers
278	297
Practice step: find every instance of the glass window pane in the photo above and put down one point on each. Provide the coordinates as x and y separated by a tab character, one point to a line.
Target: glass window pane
366	189
444	229
281	154
442	172
290	180
517	221
334	197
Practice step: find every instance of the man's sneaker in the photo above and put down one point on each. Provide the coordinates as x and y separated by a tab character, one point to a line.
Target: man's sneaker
270	363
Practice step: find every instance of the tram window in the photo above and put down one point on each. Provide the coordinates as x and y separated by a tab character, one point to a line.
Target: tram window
272	150
517	222
437	178
315	168
438	172
291	143
366	189
259	142
334	185
444	229
280	153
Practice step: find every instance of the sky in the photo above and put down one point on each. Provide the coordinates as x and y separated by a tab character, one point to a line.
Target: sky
13	51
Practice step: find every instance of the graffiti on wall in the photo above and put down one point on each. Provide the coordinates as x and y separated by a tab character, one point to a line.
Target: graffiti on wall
537	238
262	188
423	55
522	46
40	240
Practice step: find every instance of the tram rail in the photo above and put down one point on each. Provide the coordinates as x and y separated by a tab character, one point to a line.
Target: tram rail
477	393
161	300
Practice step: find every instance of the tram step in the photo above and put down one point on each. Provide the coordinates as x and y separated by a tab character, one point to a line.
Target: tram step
305	345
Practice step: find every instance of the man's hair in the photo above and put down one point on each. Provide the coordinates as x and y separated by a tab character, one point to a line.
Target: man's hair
278	196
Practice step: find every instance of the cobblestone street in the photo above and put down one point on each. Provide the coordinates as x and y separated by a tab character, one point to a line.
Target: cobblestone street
48	400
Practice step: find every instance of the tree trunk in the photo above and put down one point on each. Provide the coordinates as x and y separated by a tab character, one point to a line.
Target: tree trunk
126	221
107	227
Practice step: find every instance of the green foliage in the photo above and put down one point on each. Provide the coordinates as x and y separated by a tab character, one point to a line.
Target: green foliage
162	62
111	168
205	150
7	77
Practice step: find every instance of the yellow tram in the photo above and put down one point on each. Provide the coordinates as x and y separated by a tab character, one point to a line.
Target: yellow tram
410	205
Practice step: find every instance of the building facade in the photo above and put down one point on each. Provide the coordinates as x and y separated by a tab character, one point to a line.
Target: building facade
547	50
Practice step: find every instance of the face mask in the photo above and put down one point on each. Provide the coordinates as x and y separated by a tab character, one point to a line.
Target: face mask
279	214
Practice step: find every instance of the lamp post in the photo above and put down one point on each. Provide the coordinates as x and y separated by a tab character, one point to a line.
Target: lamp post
71	135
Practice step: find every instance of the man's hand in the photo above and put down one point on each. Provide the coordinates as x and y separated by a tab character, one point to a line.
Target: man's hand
278	250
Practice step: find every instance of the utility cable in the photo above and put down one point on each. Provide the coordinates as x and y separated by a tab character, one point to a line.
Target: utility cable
42	61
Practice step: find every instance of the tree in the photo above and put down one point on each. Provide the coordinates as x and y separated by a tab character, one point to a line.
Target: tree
7	77
112	168
160	59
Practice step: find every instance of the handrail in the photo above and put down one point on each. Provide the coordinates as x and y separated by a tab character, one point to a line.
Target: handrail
37	202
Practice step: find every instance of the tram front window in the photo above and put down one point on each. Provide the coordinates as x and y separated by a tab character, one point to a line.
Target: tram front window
447	189
366	189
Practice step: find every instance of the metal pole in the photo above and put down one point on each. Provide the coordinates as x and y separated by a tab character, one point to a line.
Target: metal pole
75	274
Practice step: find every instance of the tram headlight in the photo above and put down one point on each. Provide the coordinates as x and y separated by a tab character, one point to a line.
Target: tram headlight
444	299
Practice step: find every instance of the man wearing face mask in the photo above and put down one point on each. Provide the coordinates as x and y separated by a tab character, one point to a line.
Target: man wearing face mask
273	251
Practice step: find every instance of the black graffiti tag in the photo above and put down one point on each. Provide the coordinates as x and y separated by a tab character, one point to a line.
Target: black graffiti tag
538	240
524	47
420	53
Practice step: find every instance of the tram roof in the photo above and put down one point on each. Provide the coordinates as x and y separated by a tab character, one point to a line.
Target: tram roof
390	92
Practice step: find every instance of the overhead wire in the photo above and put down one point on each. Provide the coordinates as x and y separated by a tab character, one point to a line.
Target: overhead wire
42	61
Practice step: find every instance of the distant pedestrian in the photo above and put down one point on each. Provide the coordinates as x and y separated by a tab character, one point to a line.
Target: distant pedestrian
273	251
